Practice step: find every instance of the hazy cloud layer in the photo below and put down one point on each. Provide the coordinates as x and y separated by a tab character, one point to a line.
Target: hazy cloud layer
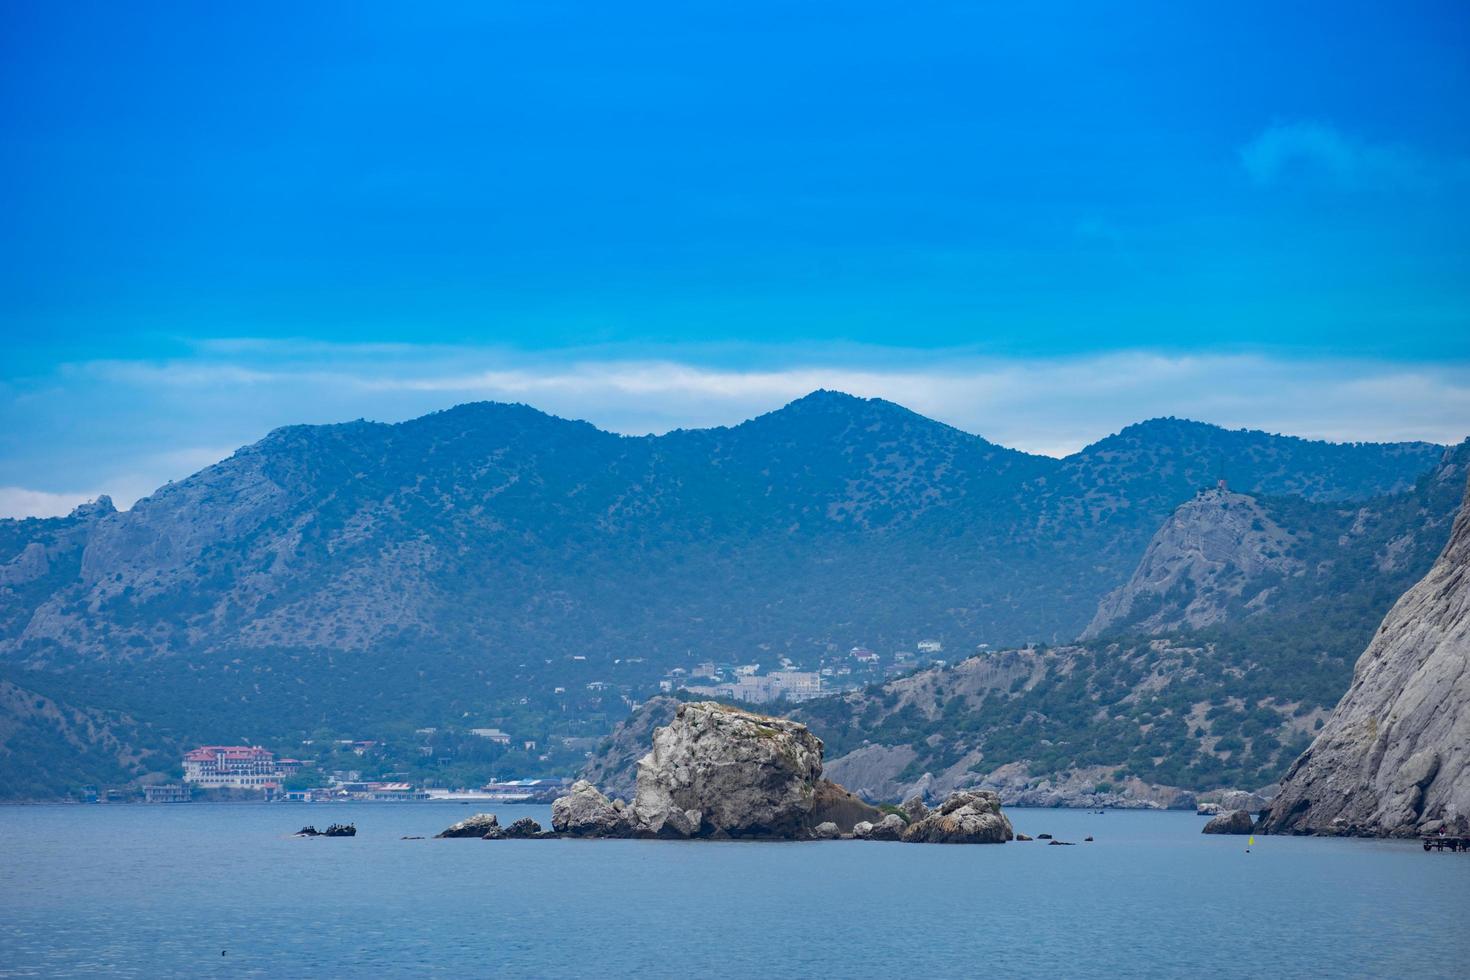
149	422
1316	151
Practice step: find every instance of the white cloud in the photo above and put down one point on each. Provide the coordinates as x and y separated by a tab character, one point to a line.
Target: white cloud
1054	405
22	502
1315	150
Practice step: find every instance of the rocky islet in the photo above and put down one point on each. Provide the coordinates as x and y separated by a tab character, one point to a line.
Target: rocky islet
722	773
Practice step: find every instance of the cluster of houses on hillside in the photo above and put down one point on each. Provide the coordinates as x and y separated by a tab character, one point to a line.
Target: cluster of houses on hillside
212	769
858	667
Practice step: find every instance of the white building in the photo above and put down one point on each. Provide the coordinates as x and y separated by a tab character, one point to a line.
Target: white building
236	767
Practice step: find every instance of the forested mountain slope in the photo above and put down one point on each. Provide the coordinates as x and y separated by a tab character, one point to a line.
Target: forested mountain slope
366	574
1217	677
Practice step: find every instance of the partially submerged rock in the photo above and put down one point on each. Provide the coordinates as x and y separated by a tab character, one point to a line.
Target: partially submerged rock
523	829
614	767
967	817
717	771
477	826
586	812
720	772
891	827
1234	822
826	831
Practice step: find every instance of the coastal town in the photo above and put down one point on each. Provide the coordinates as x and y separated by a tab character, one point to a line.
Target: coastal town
529	766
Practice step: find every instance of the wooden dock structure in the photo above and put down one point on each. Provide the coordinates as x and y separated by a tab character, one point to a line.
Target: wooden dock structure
1446	842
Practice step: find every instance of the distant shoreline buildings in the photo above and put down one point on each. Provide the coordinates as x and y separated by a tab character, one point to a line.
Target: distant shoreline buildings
791	685
237	767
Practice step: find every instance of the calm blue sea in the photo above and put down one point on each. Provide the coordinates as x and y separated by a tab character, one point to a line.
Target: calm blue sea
161	890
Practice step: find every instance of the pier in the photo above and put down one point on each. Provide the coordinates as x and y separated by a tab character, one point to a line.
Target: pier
1444	842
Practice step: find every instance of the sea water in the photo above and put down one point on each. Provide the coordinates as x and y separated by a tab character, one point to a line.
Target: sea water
225	891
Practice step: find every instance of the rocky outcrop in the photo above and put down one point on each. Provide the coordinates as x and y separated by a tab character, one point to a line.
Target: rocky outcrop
1234	822
523	829
614	768
477	826
890	828
717	771
720	772
915	809
1209	555
967	817
1394	756
585	812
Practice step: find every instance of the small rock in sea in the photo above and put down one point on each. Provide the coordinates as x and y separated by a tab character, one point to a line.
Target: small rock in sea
523	829
1062	843
966	817
1043	836
585	812
411	838
1022	837
1234	822
826	831
477	826
891	827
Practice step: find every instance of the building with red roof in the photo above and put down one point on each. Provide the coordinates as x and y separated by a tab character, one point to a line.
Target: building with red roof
234	767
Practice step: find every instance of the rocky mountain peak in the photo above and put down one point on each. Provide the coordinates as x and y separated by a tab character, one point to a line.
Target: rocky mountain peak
1210	555
94	509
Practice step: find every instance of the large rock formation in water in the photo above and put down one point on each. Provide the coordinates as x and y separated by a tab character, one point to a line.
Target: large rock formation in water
716	771
614	769
720	772
1394	758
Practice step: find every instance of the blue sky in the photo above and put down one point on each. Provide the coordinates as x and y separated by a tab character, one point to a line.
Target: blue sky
1039	222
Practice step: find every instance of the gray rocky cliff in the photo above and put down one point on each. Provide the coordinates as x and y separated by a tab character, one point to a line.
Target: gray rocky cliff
967	817
1210	553
614	769
722	772
1394	757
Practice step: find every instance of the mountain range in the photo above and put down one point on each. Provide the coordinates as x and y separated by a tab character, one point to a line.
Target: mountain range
490	561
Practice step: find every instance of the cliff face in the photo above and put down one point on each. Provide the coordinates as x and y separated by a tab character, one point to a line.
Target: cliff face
1212	552
1394	758
614	769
